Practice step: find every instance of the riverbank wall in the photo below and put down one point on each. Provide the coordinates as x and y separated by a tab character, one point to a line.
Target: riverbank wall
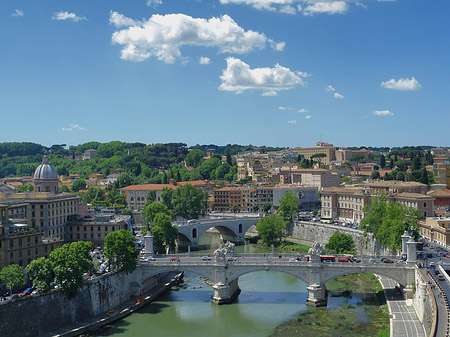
424	304
38	314
365	244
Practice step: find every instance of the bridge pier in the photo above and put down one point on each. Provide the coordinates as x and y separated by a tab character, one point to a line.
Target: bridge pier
317	295
225	293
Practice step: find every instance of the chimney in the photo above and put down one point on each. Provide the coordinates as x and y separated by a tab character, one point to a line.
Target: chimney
172	182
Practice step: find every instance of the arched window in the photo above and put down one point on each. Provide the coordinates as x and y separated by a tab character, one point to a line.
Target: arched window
194	233
240	228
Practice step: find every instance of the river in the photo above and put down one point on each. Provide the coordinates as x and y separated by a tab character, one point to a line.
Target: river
267	300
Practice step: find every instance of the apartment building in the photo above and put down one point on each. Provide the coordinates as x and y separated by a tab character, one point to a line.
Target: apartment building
395	187
328	150
441	173
436	230
95	228
136	195
422	202
318	178
225	198
308	196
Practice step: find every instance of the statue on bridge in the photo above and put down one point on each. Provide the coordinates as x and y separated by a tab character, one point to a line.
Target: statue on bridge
316	249
224	250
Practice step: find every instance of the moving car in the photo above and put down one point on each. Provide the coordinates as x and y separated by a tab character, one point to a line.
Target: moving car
387	261
206	258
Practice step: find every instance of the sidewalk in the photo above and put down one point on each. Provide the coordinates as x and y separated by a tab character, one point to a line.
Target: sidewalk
117	313
403	318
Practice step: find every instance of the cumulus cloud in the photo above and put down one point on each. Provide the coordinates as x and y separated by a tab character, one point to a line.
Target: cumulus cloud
63	16
288	10
270	93
330	88
383	113
74	127
302	110
402	84
282	108
338	95
292	121
18	13
162	36
325	7
204	60
238	76
307	117
269	5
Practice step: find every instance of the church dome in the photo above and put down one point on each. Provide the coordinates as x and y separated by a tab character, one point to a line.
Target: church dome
45	170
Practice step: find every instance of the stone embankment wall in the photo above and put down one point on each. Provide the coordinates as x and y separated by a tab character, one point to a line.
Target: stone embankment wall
35	315
365	244
423	302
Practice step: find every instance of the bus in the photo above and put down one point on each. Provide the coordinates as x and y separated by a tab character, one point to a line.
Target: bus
325	258
326	220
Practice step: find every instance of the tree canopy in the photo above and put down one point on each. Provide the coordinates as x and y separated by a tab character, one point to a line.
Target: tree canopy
13	276
40	272
386	219
270	228
190	202
340	243
289	206
120	250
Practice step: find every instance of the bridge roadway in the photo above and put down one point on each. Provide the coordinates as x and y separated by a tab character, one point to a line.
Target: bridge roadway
224	275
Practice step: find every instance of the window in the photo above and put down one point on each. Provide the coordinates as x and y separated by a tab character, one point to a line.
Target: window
424	204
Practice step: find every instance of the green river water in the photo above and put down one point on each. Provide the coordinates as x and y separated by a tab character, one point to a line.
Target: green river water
267	300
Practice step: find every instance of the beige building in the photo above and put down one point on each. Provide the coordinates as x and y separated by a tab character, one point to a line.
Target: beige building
422	202
394	187
307	152
94	229
225	198
436	230
319	178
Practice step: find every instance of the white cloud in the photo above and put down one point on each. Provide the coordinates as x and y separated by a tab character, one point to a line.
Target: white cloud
307	117
74	127
18	13
281	108
238	76
360	4
270	93
62	16
162	36
204	60
261	4
323	7
302	110
330	88
288	10
338	95
383	113
154	2
402	84
292	121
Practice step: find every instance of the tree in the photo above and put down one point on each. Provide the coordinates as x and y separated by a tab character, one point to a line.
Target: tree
375	175
270	228
13	276
194	158
64	189
391	164
340	243
79	184
167	197
255	208
385	220
266	207
94	195
154	208
70	262
40	272
289	206
121	251
25	188
151	196
114	197
125	179
235	208
190	202
424	177
162	229
416	163
382	161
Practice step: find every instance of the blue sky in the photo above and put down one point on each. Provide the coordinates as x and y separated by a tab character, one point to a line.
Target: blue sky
263	72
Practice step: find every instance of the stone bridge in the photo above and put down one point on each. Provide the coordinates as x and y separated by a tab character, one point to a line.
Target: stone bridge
231	229
224	275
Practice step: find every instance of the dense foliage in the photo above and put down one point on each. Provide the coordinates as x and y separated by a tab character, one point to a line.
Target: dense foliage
289	206
12	276
340	243
270	228
40	272
386	220
121	251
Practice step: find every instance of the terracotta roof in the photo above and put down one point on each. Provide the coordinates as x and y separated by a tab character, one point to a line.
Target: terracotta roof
407	195
394	183
159	187
439	193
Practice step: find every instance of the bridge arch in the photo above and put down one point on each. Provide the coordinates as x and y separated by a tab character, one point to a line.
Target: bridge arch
398	275
149	272
301	275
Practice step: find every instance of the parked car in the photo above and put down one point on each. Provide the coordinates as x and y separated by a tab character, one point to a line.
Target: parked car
401	262
206	258
232	259
372	261
344	259
387	261
441	277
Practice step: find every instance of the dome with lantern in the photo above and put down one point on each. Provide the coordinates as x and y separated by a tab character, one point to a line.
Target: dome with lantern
45	178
